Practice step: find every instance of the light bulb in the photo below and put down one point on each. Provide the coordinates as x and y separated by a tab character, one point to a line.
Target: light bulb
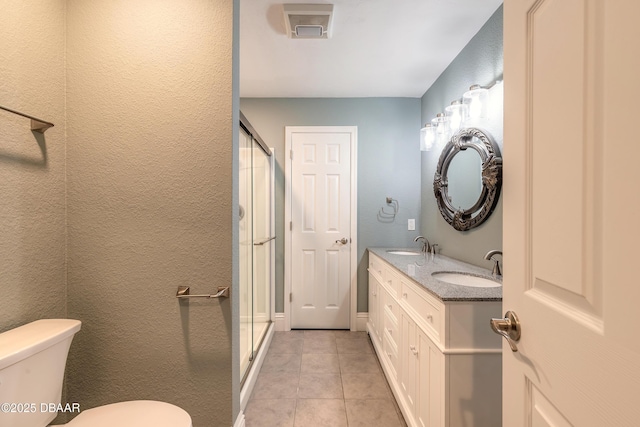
475	98
427	137
442	129
457	113
439	121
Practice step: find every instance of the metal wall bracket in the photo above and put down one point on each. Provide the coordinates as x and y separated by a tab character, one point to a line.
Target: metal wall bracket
185	292
37	125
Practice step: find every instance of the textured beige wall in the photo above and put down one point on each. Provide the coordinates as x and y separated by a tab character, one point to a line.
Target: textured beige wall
32	166
150	161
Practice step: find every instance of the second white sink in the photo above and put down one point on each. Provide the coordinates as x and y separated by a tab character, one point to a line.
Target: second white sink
465	279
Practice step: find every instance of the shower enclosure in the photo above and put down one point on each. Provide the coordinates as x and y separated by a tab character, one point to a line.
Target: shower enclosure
256	243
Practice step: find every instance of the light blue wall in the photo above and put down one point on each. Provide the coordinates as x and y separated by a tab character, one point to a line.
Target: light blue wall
479	62
388	164
389	160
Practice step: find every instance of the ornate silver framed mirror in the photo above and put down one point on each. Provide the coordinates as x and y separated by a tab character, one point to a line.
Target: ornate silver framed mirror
468	178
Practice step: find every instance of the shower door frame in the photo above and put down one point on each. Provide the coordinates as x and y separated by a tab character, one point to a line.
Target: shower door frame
256	356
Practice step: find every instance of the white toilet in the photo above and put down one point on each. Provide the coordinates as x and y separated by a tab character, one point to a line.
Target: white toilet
32	362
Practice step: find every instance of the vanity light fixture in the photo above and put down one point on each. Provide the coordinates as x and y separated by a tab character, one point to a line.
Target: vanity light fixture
495	99
427	137
440	121
477	103
476	99
457	114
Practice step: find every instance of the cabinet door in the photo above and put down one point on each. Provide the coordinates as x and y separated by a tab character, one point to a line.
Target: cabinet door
430	373
407	351
373	303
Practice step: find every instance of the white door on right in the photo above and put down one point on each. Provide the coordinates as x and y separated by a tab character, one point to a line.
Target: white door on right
571	212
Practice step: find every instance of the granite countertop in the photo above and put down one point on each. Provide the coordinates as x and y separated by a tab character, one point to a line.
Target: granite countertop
419	269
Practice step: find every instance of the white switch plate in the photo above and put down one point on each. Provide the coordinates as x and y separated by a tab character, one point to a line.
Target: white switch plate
412	225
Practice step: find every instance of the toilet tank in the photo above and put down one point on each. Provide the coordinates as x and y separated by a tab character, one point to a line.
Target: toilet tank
32	362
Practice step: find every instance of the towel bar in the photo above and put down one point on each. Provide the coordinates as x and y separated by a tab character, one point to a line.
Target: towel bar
184	292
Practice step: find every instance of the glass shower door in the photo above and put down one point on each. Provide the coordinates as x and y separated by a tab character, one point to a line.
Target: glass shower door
262	243
246	251
256	242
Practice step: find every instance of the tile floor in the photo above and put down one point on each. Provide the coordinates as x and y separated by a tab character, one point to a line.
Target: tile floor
322	378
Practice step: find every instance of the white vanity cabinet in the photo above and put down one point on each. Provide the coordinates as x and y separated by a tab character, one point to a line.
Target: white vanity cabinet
441	359
374	303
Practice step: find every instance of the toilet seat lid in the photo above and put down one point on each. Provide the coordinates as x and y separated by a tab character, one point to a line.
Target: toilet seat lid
135	413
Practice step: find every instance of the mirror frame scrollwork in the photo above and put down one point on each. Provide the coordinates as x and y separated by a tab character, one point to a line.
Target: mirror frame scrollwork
482	142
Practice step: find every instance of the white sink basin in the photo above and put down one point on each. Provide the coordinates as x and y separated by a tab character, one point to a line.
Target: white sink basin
393	252
465	279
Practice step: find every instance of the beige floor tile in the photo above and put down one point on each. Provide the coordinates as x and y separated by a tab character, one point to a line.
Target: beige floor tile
365	386
320	386
357	346
372	413
297	334
319	346
281	362
358	363
276	385
320	412
351	335
319	334
270	413
322	378
286	346
320	364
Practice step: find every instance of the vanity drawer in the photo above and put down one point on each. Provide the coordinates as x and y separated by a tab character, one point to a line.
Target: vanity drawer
392	281
376	267
390	304
429	313
390	353
391	327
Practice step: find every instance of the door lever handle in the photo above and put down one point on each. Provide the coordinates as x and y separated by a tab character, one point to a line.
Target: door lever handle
344	241
509	328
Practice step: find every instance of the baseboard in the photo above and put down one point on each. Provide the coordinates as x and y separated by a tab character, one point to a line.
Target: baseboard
361	321
240	420
279	321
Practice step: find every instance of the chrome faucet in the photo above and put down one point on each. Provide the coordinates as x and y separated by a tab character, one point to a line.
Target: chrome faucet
433	249
426	246
496	264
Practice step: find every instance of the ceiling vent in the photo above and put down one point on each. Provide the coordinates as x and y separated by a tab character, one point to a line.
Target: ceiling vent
308	21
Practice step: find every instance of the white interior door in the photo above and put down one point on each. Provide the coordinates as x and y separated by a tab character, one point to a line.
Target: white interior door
320	227
571	203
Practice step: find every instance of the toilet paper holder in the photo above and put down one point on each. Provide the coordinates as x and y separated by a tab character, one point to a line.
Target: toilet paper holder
185	292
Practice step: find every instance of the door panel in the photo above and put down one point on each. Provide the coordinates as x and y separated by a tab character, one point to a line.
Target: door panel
321	217
408	348
430	385
308	279
569	95
374	303
543	413
561	105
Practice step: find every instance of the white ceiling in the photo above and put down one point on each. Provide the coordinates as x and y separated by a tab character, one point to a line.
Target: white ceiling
378	48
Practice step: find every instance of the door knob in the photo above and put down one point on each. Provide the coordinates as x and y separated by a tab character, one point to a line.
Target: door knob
344	241
509	328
